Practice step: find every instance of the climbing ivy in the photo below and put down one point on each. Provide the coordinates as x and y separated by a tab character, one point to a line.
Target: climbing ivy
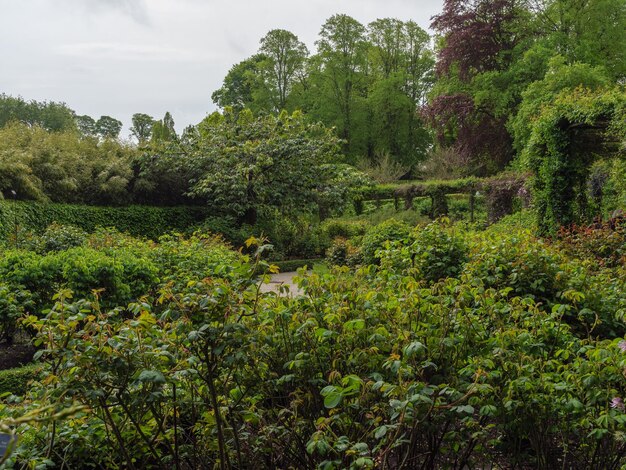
558	157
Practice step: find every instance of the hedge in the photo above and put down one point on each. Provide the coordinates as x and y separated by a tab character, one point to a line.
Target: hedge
145	221
500	189
15	381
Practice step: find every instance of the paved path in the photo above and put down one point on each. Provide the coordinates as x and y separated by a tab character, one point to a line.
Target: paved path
281	279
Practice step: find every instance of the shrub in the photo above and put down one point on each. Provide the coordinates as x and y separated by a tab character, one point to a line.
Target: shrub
521	262
333	228
142	221
343	252
15	381
604	243
438	251
59	237
376	237
14	301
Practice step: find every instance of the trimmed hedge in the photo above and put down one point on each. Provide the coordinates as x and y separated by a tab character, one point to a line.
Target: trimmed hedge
144	221
295	264
16	380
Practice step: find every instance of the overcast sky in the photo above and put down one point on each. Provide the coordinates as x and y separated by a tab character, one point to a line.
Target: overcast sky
119	57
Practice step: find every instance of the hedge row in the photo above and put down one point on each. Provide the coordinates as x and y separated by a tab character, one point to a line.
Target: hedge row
419	188
145	221
501	190
15	381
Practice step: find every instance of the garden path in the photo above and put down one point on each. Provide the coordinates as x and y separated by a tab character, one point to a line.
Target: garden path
277	280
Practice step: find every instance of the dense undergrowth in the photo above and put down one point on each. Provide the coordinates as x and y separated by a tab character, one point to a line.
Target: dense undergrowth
460	348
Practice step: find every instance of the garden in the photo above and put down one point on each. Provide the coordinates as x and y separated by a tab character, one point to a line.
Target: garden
451	208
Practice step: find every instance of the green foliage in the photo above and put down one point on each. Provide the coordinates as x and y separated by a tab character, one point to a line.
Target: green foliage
377	237
14	303
144	221
560	78
343	252
48	115
437	251
371	365
63	167
15	381
59	237
485	347
367	82
245	166
561	167
334	228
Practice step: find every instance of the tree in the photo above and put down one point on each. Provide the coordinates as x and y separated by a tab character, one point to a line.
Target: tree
241	85
284	58
86	125
52	116
142	127
401	64
342	49
246	165
164	130
585	31
480	41
108	127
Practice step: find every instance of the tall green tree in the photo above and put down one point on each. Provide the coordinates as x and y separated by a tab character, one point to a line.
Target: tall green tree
342	49
163	130
86	125
108	127
49	115
142	127
284	58
240	88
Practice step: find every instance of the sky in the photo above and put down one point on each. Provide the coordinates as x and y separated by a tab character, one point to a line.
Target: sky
120	57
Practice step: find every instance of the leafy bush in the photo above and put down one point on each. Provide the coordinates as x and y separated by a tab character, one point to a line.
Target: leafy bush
516	358
342	252
438	251
15	381
59	237
143	221
333	228
604	243
524	264
14	302
376	237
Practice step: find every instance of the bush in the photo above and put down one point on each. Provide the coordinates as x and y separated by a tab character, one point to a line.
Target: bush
343	252
14	302
376	237
438	252
526	265
333	228
142	221
59	237
15	381
603	243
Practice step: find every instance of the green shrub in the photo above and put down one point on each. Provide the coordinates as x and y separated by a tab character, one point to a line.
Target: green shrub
438	251
376	237
59	237
143	221
525	264
15	381
14	302
334	228
342	252
123	276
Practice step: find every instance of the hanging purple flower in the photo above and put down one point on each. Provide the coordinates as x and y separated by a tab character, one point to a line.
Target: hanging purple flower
617	404
622	345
